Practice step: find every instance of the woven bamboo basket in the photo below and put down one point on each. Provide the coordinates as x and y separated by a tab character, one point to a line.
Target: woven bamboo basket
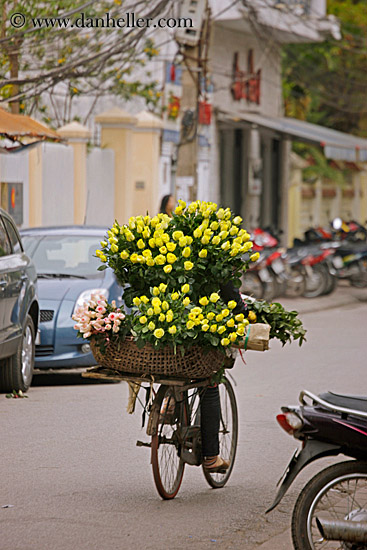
125	356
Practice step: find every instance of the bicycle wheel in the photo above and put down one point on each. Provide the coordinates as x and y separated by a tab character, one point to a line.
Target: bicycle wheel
228	434
168	467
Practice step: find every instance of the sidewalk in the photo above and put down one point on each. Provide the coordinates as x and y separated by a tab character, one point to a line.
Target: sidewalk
344	295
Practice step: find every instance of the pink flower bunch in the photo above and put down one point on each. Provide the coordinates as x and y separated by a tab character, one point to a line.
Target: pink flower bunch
97	316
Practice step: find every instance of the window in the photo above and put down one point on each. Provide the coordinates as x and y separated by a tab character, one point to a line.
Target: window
17	247
5	247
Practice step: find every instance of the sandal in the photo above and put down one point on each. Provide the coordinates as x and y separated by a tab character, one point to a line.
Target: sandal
218	466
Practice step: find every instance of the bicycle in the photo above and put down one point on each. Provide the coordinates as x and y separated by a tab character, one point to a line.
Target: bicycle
174	427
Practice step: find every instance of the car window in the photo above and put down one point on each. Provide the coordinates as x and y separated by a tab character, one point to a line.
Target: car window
65	254
5	247
17	247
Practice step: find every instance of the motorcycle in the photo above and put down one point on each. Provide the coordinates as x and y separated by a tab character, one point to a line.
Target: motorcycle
331	511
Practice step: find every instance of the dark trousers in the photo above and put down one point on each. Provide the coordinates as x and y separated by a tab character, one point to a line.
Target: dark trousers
210	421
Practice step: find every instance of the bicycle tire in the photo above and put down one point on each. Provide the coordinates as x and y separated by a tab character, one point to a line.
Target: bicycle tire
217	480
168	467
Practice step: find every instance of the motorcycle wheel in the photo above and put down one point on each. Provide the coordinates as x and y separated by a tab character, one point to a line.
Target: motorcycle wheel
296	282
317	283
360	280
336	493
332	281
252	285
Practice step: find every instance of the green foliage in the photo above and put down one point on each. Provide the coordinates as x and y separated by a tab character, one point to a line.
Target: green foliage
325	83
284	325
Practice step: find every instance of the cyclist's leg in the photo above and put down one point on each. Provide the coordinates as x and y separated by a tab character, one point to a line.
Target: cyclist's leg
210	423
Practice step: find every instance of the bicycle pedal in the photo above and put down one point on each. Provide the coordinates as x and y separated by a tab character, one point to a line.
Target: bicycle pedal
143	444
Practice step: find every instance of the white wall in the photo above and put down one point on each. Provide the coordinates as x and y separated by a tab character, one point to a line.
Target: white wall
58	184
100	187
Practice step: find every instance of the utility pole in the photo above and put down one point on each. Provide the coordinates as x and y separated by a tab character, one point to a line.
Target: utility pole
194	48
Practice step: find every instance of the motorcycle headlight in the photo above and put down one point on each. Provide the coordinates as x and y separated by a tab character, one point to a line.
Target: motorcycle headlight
85	296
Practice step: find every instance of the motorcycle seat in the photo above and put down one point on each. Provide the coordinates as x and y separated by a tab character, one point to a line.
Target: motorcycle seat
356	402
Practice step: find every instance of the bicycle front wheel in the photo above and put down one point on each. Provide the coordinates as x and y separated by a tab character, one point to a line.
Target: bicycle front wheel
168	467
228	434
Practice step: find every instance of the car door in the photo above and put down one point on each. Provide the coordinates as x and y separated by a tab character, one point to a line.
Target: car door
5	252
14	277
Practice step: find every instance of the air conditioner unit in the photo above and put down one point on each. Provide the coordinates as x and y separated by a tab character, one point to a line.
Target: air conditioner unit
190	22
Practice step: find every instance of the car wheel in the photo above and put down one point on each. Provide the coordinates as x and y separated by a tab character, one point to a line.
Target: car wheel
16	372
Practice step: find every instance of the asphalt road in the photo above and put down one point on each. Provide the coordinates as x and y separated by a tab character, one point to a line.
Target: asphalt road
76	481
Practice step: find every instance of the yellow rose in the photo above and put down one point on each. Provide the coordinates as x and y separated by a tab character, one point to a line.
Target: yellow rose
240	331
219	318
124	255
151	325
175	295
172	329
141	244
157	310
186	252
134	258
185	288
171	247
169	316
251	316
103	258
233	337
214	297
144	299
203	253
177	235
162	287
186	301
216	240
178	210
150	262
147	253
214	226
221	329
158	333
182	203
152	243
205	327
188	266
165	238
210	316
156	302
114	248
192	316
155	291
165	306
160	259
204	301
239	317
230	323
188	240
225	312
237	220
226	245
190	324
161	317
232	304
213	328
233	231
150	312
225	341
198	233
158	241
104	244
167	268
171	258
254	257
205	240
163	250
220	214
182	242
143	320
136	301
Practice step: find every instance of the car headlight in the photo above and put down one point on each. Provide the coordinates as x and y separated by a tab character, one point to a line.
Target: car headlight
86	295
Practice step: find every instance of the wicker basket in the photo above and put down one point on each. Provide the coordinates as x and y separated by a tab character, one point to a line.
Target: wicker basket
125	356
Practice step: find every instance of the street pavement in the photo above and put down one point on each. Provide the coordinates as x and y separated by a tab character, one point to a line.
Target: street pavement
76	481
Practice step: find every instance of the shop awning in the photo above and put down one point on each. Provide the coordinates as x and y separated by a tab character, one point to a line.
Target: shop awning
18	127
337	145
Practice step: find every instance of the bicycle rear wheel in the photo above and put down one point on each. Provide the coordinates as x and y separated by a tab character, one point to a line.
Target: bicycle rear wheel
168	467
228	434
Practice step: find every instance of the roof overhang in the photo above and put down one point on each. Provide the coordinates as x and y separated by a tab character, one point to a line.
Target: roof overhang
337	145
23	130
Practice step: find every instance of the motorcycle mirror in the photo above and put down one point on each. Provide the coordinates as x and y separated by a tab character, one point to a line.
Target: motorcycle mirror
337	223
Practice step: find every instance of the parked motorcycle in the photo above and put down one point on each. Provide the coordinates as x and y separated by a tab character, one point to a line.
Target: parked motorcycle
331	511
